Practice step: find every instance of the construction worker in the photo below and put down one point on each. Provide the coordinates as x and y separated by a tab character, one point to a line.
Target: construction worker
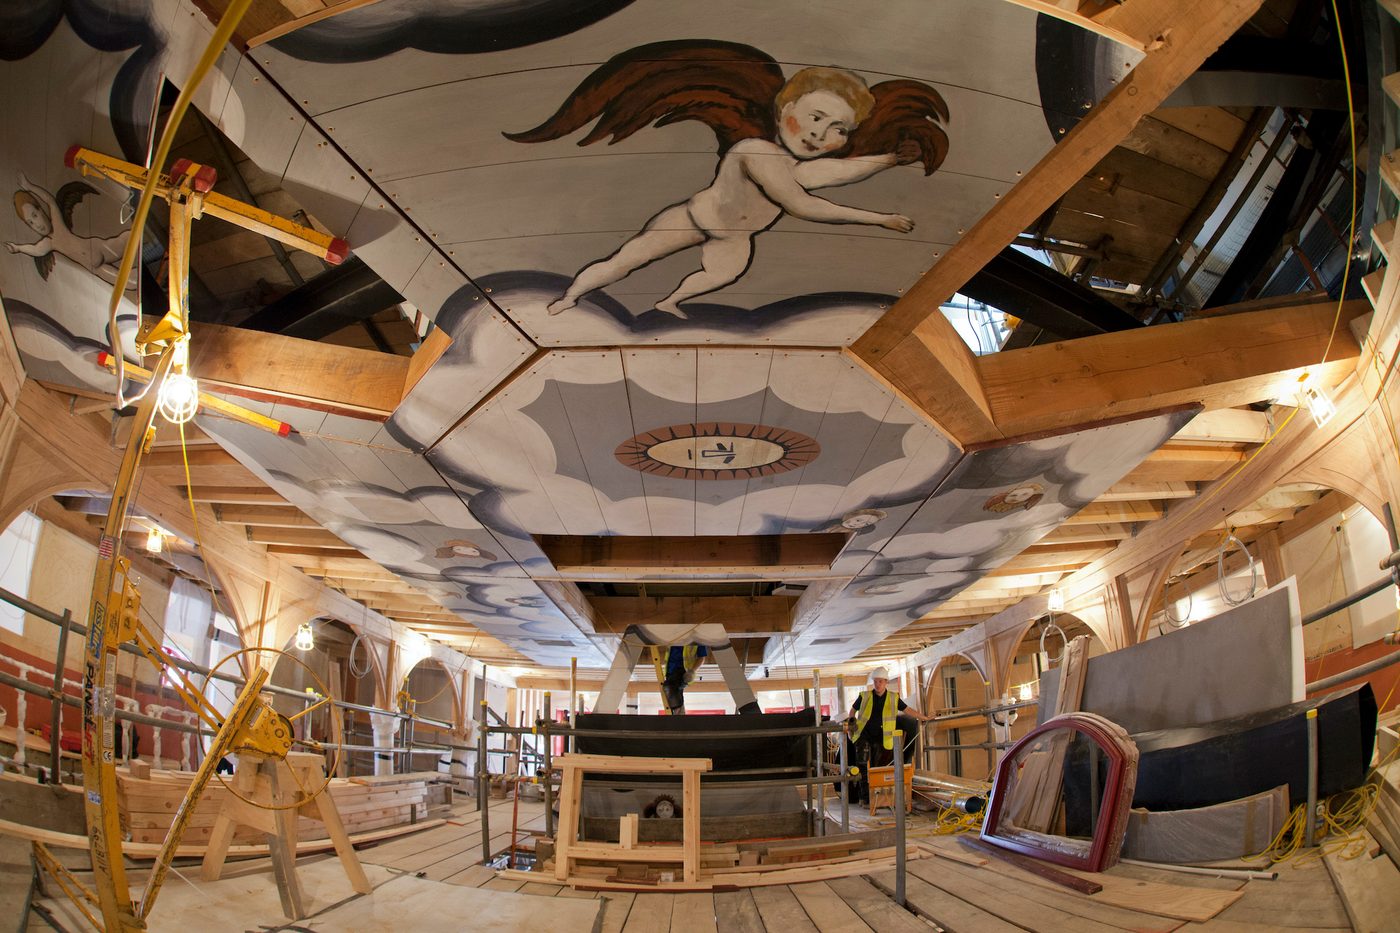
677	673
872	724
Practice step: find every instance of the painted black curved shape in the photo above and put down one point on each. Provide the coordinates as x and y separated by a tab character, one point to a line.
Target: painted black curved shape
1067	71
433	26
107	27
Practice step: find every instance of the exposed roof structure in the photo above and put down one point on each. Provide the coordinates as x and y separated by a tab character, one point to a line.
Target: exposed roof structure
654	309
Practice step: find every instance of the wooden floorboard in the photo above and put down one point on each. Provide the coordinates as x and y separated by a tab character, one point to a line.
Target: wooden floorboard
650	913
616	905
694	913
735	912
952	895
779	909
826	910
878	910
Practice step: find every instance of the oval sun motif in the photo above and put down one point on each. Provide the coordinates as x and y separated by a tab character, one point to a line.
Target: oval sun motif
717	450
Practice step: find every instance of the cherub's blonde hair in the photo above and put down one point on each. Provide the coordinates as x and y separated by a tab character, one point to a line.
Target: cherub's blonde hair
844	84
24	197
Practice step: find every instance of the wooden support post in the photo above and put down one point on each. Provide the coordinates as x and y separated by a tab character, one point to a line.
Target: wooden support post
573	688
257	785
627	831
570	794
567	847
690	831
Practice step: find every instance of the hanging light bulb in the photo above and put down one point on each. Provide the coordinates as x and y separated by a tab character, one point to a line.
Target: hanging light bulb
155	540
306	639
1026	692
1316	400
179	392
1056	602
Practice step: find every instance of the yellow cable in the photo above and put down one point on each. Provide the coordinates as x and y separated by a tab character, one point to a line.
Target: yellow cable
222	33
1351	229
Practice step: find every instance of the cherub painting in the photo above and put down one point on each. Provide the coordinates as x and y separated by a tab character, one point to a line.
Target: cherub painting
460	548
1024	496
52	219
778	140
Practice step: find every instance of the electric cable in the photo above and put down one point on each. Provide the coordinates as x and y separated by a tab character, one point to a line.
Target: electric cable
1220	571
217	42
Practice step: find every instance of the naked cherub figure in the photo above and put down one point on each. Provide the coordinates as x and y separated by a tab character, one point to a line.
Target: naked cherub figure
52	219
777	140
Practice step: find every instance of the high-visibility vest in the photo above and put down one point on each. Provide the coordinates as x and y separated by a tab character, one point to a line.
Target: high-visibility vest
660	654
867	701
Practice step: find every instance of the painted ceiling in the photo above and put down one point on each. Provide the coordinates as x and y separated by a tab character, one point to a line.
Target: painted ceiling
648	228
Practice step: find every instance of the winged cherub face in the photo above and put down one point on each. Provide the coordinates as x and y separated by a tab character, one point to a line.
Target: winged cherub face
35	218
816	124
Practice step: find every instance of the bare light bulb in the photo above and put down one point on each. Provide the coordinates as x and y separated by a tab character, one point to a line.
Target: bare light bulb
1025	693
1318	403
1056	602
155	541
179	398
306	639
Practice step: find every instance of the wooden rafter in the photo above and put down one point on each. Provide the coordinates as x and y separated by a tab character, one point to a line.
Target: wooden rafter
913	348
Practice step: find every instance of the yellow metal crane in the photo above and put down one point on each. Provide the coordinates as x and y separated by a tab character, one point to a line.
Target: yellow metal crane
252	724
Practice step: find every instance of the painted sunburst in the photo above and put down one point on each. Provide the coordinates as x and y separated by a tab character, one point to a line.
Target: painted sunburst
717	450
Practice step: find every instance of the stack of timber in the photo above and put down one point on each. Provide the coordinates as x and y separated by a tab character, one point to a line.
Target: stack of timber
1384	821
728	866
148	805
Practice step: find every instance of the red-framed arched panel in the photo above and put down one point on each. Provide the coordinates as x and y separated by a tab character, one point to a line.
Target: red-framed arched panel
1082	761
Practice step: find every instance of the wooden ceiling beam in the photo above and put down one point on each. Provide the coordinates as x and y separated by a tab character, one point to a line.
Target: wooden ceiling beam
1098	513
1134	492
265	516
578	556
1217	362
298	537
303	373
232	495
1085	534
913	347
753	615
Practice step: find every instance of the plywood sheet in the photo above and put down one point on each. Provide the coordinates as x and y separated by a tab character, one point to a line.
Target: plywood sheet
1242	661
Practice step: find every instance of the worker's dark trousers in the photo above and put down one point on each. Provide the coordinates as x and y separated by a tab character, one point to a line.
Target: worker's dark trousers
869	753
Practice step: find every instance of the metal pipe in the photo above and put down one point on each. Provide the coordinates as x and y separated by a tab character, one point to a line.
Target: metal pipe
987	745
483	785
899	841
67	622
811	766
845	791
1311	815
979	710
56	707
1356	597
548	772
699	733
818	749
774	782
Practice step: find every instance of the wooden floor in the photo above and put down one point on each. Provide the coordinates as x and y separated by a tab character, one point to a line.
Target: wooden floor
941	893
996	897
